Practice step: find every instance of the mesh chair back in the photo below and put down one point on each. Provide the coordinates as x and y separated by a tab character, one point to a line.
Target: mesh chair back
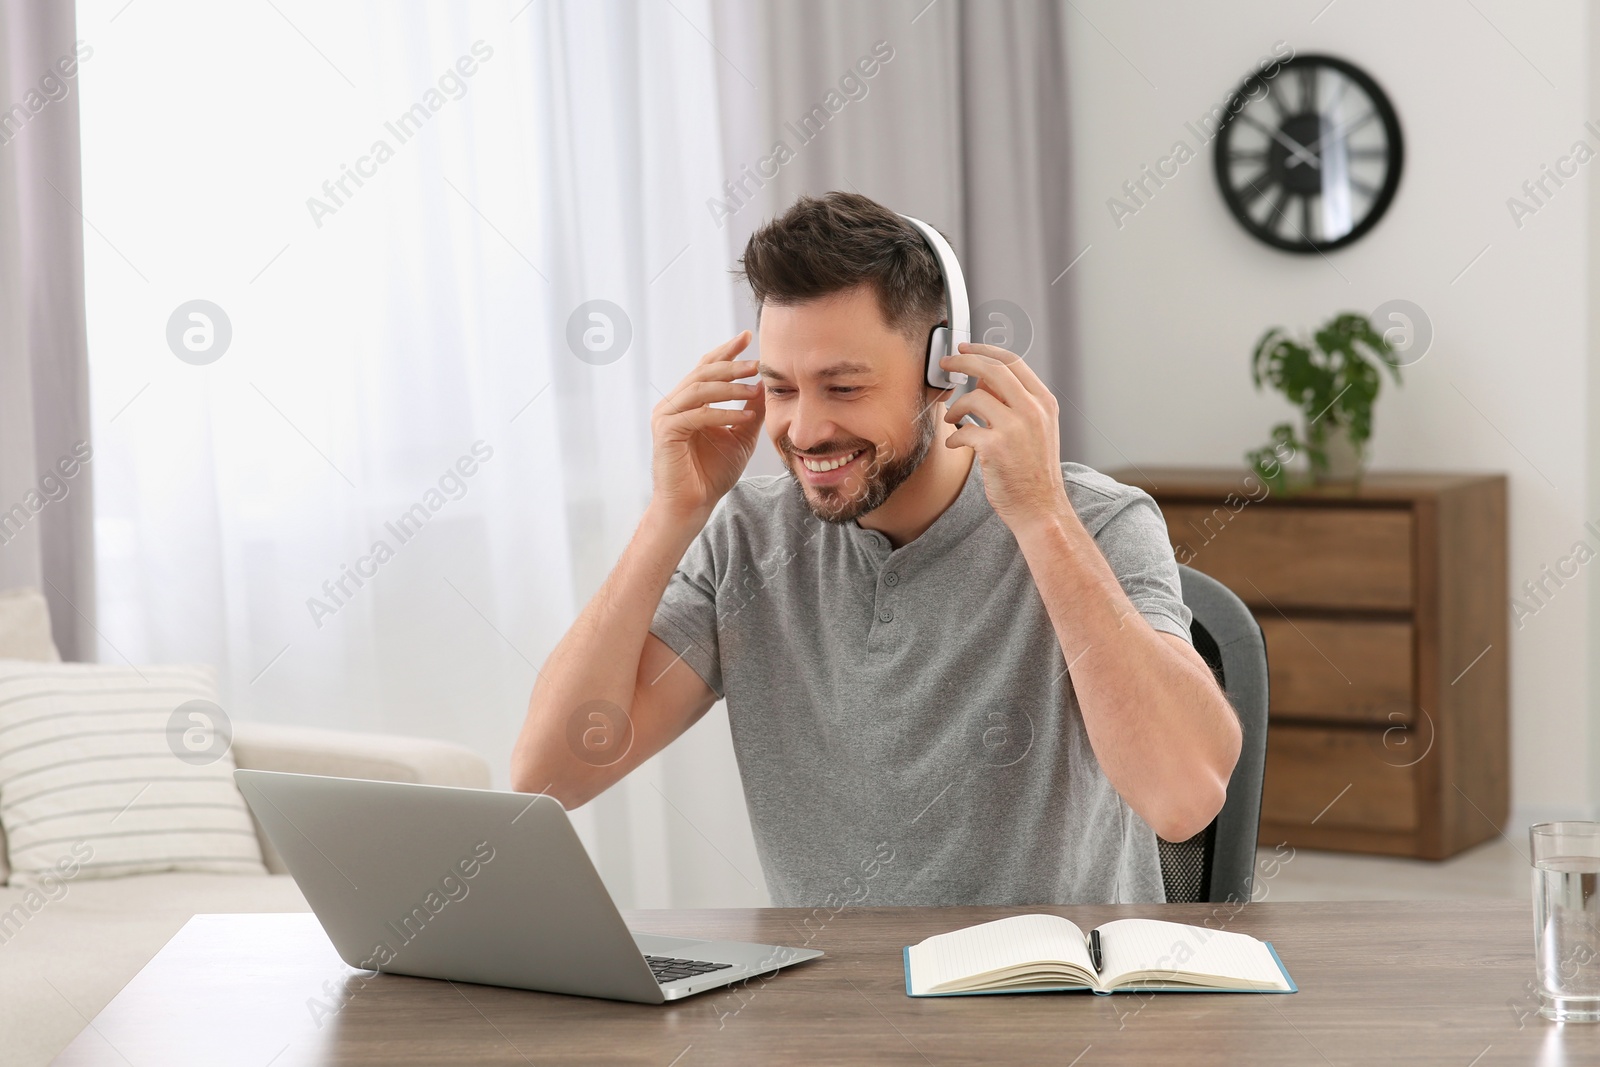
1217	864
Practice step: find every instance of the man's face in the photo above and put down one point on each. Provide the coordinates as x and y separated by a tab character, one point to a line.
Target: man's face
846	405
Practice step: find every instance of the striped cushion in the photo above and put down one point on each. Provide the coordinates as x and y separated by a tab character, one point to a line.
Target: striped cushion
107	771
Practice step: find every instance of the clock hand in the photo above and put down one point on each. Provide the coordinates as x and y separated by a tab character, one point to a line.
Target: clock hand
1301	155
1333	105
1348	128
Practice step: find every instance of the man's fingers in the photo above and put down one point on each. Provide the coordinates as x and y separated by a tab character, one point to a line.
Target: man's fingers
699	394
1004	355
1017	365
970	436
728	371
986	406
757	401
993	374
727	349
757	407
715	372
683	423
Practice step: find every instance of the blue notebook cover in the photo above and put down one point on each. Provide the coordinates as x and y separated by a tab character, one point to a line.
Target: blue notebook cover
905	957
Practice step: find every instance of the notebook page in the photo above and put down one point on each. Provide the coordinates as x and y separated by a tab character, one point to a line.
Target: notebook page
1011	942
1128	945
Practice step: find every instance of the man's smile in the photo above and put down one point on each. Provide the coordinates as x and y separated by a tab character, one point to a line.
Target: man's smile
830	470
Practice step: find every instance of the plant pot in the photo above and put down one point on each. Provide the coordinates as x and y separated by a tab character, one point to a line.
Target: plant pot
1346	460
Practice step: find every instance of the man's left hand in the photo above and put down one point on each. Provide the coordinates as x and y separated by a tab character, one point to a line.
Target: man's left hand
1020	447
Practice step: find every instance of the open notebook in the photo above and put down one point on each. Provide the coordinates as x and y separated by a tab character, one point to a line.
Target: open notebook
1046	953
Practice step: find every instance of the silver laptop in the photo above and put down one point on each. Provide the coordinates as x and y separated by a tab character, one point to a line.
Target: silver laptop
476	885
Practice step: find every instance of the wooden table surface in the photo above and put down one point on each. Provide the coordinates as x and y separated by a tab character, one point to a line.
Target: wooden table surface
1415	982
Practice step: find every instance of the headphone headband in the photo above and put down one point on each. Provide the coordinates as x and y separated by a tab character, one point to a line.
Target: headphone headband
943	341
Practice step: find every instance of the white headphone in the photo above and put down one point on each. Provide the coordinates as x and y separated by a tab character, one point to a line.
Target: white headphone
957	328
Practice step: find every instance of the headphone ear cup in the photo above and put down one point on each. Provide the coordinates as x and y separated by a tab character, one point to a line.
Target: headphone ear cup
938	347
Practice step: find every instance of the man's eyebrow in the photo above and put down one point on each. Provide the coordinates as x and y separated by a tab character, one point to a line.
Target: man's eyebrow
836	370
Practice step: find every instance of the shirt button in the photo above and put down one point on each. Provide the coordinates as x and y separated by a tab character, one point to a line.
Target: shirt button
886	615
891	578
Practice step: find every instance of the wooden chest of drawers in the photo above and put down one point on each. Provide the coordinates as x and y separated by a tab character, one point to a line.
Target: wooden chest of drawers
1384	608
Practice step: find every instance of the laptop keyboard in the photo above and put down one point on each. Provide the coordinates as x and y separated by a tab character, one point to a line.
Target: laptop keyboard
668	969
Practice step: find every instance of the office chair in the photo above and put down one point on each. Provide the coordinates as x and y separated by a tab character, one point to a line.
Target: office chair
1217	863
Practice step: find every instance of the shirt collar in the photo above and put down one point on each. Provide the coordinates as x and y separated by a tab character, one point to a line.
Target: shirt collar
970	507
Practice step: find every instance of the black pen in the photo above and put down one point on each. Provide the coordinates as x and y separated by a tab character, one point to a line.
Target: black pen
1094	949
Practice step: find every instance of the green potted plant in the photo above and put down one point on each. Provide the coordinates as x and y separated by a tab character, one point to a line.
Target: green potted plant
1334	383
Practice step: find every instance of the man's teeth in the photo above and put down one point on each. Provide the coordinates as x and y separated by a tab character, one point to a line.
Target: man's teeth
819	466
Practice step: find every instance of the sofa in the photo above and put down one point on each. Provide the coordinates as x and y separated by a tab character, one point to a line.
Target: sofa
61	964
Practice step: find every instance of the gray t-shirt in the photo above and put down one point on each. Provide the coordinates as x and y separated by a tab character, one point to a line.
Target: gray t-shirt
904	721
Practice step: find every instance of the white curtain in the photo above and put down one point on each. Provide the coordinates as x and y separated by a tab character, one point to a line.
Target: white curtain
46	459
952	111
384	501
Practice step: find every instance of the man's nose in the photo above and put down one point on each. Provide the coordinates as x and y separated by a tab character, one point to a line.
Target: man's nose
810	426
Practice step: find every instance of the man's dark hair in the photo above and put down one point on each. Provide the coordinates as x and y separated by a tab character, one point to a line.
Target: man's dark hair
829	244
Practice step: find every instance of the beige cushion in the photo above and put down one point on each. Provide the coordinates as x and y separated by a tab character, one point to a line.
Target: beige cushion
25	635
109	771
25	627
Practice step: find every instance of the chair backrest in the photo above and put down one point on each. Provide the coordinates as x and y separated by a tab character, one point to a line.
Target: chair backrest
1217	863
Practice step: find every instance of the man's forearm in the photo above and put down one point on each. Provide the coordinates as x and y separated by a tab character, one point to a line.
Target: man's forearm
1164	734
598	659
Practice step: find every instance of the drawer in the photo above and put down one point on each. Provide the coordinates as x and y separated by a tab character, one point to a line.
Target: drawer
1339	670
1274	555
1309	766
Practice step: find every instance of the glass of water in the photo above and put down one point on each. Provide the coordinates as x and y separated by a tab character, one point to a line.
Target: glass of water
1566	919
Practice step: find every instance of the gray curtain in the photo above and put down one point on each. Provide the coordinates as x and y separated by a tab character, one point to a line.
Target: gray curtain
961	122
46	514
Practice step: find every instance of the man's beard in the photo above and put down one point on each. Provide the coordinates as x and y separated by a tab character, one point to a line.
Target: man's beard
883	475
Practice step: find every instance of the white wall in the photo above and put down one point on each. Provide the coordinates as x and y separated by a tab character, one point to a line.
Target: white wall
1173	301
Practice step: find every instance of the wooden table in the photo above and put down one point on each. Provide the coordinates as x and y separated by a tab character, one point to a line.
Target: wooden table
1417	982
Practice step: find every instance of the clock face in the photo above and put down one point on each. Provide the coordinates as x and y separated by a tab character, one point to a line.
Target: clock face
1309	159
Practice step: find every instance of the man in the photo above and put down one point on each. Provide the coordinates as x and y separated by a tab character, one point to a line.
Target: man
939	645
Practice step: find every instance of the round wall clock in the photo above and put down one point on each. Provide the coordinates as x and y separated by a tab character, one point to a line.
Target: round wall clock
1309	158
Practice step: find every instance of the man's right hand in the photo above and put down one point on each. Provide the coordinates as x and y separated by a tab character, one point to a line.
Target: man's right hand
609	655
699	450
